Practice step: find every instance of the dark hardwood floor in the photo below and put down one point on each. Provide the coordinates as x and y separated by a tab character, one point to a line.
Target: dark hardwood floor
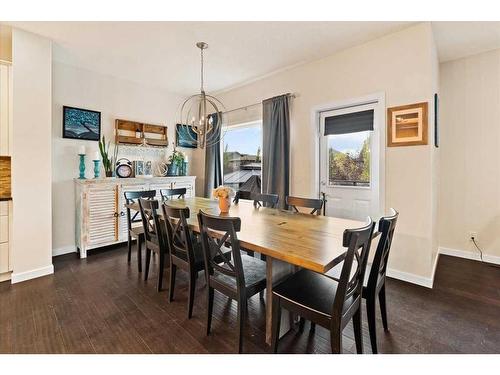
102	305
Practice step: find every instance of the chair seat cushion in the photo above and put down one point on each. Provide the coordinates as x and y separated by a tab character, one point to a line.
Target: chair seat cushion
253	268
310	289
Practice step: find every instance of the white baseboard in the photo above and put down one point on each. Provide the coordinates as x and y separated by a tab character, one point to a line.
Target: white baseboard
63	250
28	275
410	277
469	255
434	267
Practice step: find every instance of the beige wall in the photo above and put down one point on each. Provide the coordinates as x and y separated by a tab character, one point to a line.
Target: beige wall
470	158
114	98
31	156
403	65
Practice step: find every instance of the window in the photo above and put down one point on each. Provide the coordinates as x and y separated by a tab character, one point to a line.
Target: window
349	159
242	157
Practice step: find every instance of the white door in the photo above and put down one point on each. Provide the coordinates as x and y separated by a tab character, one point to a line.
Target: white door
350	166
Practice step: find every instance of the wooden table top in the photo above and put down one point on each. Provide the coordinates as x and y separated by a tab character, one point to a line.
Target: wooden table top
309	241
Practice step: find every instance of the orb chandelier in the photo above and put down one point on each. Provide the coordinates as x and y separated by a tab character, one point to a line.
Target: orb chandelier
201	114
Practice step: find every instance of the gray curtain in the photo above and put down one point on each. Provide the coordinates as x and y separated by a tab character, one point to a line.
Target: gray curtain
276	147
213	169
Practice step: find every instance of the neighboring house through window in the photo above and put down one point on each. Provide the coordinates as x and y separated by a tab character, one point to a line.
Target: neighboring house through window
242	158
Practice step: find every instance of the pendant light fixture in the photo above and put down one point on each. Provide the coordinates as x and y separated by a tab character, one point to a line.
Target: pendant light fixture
201	114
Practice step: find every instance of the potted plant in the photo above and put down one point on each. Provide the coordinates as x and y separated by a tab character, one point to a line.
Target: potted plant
108	161
176	163
224	194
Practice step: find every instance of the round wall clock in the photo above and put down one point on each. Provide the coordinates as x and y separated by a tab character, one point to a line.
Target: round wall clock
123	168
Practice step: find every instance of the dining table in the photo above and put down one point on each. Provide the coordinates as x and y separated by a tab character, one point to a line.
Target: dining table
289	240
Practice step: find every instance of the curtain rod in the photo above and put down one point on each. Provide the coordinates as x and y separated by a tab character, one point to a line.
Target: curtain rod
254	104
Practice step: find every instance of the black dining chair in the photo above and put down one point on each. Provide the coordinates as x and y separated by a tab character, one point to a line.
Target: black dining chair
317	205
135	232
155	239
375	283
323	300
240	277
260	200
167	194
241	194
185	250
268	200
247	196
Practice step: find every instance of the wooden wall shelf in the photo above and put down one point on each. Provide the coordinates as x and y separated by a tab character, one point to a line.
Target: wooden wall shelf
136	133
5	177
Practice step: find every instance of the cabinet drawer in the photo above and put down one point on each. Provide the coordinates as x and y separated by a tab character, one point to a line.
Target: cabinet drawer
4	257
4	229
4	208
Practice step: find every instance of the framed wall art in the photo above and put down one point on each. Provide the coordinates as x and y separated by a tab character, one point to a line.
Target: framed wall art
185	136
407	125
436	120
81	124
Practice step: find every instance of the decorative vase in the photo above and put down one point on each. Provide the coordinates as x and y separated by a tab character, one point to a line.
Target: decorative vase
109	173
173	169
96	168
82	166
183	168
224	204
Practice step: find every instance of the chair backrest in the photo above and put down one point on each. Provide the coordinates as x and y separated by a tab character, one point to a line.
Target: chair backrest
386	227
218	232
241	194
132	197
350	284
268	200
178	233
169	193
153	234
315	204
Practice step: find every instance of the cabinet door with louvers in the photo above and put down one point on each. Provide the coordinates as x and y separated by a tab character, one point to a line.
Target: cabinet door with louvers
103	223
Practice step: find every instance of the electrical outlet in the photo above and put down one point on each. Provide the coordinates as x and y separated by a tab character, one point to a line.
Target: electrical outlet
472	235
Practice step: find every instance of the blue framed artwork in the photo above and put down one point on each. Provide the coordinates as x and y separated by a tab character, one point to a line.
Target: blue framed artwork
186	137
81	124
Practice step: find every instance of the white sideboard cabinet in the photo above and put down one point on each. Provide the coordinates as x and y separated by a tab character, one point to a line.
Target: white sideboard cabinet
101	218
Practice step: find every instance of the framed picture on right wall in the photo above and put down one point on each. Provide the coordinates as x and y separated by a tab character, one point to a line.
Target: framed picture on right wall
407	125
436	120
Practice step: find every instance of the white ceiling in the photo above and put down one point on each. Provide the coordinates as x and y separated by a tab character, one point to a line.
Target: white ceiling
163	54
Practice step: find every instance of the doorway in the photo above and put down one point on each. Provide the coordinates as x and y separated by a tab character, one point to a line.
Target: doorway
352	158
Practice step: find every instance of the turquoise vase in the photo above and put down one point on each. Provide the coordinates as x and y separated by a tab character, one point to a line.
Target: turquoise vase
82	166
96	168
